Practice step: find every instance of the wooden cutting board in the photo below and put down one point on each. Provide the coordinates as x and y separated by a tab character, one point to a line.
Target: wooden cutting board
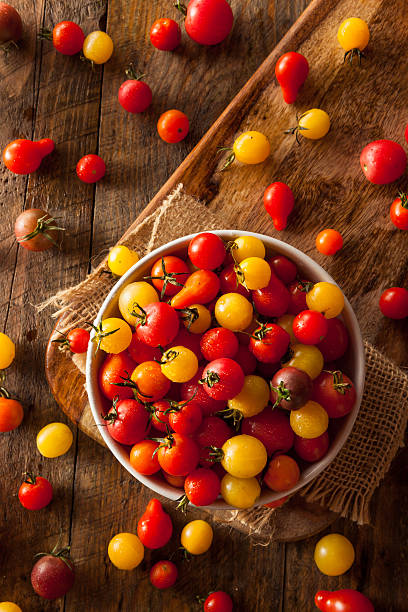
365	103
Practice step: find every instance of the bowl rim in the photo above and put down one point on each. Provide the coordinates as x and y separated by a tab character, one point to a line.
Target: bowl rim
353	328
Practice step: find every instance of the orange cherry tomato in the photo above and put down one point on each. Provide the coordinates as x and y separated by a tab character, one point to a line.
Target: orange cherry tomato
201	287
151	383
11	413
329	241
173	126
282	473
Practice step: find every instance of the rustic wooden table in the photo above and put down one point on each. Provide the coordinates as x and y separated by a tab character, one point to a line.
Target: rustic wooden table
46	94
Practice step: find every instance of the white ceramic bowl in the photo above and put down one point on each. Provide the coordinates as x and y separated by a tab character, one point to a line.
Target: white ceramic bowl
311	270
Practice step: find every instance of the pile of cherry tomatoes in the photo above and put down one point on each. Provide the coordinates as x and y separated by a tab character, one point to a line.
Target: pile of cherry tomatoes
221	374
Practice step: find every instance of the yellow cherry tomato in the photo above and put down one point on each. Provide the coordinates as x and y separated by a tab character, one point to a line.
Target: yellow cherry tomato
138	293
252	398
197	319
353	33
326	298
286	322
233	311
240	492
314	124
126	551
121	259
334	554
197	537
243	456
179	364
310	421
256	271
251	148
98	47
247	246
113	335
7	351
308	358
54	440
8	606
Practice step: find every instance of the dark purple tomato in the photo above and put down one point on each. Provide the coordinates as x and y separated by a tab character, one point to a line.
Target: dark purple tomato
290	388
53	575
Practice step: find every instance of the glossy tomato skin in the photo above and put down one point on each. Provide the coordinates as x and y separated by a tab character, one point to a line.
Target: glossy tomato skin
245	359
35	492
173	126
155	527
329	241
224	378
163	574
175	270
140	352
179	456
312	449
111	371
213	431
283	268
383	161
11	414
52	577
218	342
68	37
399	212
291	388
394	303
135	96
201	287
218	601
186	419
11	26
310	327
188	340
208	22
344	600
192	388
279	202
335	343
291	71
159	325
273	300
202	487
269	343
28	222
206	251
335	392
78	340
127	421
25	156
165	34
229	282
143	457
152	384
90	168
297	291
272	428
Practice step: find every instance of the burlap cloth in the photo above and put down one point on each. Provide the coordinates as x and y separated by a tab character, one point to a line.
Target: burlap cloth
348	483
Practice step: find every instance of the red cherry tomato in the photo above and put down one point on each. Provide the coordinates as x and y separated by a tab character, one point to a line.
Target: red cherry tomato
272	428
335	392
36	230
383	161
159	324
163	574
140	352
53	575
291	71
67	37
25	156
154	527
202	487
201	287
113	370
127	421
394	303
223	378
143	457
312	449
77	340
218	342
188	340
134	95
229	282
269	342
297	291
178	454
169	275
335	343
329	241
160	416
213	431
11	412
173	126
345	600
11	26
279	202
399	212
35	492
185	418
245	359
193	388
208	22
273	300
310	327
206	251
165	34
284	268
218	601
90	168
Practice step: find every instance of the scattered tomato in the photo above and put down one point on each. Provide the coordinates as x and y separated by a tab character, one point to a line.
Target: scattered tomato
344	600
334	554
76	340
207	22
67	37
7	351
25	156
54	440
11	412
399	211
291	70
35	492
312	124
249	148
53	575
36	230
90	168
11	26
97	47
154	528
329	241
383	161
394	303
218	601
197	537
163	574
173	126
353	35
134	95
165	34
125	551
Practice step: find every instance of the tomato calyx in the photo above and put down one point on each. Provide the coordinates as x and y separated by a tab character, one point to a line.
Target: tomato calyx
29	478
168	356
177	406
260	333
188	314
351	54
64	554
128	382
44	226
183	503
216	454
4	393
100	334
167	278
112	415
305	286
283	393
211	379
338	381
132	74
166	442
181	7
404	199
45	34
232	413
230	159
63	341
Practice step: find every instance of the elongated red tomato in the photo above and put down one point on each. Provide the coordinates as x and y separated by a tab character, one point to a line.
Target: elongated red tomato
344	600
279	202
201	287
291	70
155	527
24	156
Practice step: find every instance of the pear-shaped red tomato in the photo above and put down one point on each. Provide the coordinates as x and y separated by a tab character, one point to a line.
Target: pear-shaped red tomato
345	600
291	70
154	527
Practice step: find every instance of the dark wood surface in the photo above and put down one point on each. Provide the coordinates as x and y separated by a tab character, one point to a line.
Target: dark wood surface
45	94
